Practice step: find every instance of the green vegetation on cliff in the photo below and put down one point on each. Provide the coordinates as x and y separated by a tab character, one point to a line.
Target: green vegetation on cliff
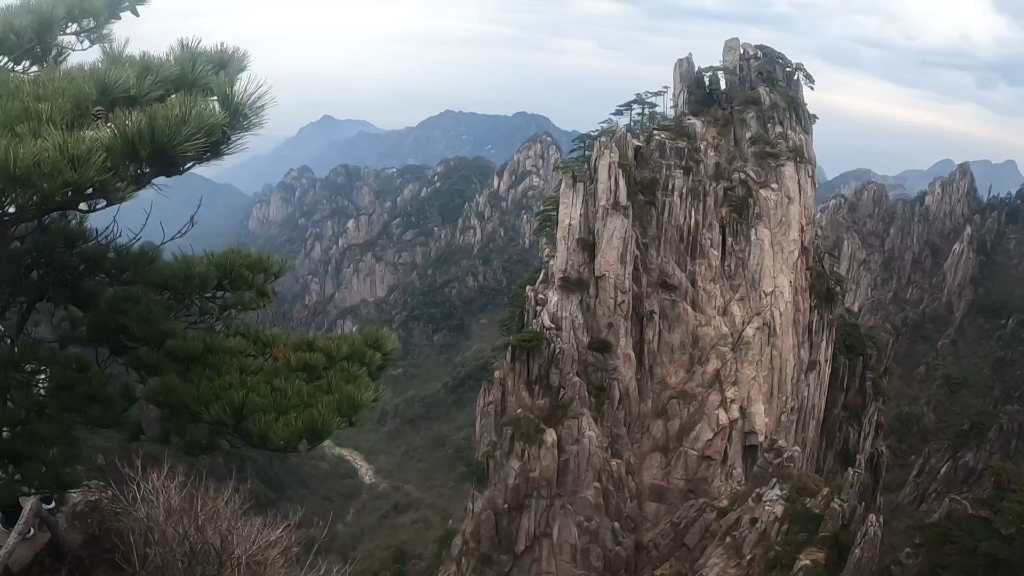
985	538
956	375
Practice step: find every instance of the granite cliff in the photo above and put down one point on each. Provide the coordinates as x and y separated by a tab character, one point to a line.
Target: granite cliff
940	273
661	410
411	246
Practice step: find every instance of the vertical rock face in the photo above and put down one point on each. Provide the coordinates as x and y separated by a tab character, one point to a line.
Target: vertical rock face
404	245
664	404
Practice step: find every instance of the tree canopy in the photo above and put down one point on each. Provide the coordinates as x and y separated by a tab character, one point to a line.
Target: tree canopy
95	321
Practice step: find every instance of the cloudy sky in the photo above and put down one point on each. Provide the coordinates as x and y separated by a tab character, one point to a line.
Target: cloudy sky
900	83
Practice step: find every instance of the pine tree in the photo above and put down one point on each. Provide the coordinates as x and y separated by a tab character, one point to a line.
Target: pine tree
625	109
95	321
582	144
606	127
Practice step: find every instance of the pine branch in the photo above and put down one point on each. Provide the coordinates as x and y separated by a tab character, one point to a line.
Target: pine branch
36	33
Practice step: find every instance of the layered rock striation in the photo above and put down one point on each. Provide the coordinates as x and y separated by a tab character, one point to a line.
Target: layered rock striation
663	407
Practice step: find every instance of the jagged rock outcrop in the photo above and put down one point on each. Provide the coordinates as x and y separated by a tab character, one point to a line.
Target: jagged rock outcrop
914	266
899	255
936	279
661	411
945	478
409	246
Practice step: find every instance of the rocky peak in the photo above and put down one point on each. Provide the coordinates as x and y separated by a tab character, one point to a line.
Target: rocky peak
933	280
905	249
662	406
403	245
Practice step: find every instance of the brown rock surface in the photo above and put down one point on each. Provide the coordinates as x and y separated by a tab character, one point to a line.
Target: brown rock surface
673	410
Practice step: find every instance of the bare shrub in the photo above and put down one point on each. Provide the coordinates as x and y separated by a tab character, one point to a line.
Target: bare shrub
165	523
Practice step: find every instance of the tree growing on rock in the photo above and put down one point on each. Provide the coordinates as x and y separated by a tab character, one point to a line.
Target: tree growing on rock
583	144
95	321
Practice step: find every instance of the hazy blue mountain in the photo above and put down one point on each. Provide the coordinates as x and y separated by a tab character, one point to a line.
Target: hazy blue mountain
847	181
322	145
1001	177
822	177
171	203
445	135
252	173
917	180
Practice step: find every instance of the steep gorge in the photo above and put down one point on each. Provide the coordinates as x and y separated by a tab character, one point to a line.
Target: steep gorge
664	407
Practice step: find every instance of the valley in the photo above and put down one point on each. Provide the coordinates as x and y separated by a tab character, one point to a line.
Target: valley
645	341
486	345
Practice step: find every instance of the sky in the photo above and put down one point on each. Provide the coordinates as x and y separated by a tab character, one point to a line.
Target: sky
900	83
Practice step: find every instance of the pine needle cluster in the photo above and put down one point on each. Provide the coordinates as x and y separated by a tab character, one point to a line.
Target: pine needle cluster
95	321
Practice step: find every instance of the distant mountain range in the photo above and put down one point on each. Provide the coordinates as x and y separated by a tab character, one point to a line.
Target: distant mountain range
170	204
995	178
330	142
320	145
309	142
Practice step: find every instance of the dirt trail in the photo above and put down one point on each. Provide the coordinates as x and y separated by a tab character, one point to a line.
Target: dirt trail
363	468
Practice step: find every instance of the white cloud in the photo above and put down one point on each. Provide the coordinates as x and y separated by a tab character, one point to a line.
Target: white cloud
909	67
896	122
858	94
930	24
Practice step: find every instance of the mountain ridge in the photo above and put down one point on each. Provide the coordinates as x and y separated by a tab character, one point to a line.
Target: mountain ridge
252	173
328	142
447	135
368	224
494	136
996	178
218	209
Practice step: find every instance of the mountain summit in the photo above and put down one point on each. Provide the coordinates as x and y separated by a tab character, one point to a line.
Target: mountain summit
251	174
445	135
668	402
329	142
